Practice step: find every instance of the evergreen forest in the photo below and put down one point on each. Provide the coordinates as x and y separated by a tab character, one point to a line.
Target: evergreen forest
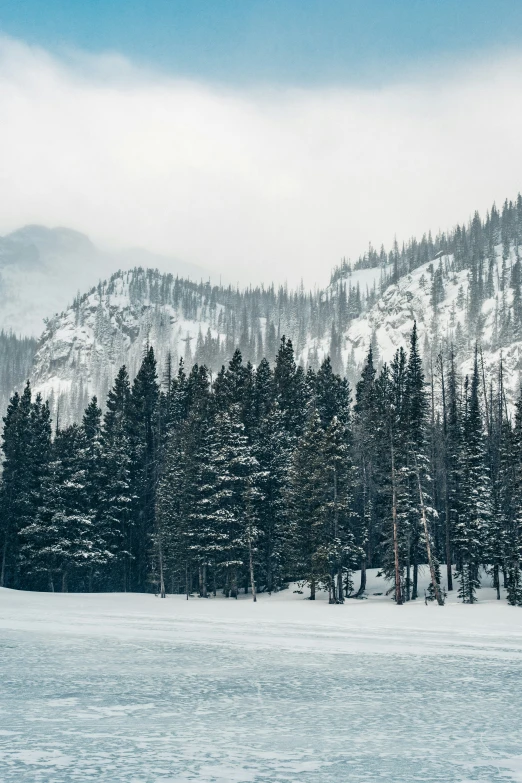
266	476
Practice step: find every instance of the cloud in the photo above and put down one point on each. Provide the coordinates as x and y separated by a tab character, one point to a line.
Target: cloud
258	184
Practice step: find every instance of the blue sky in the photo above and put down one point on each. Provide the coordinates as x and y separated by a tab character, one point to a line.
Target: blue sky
275	41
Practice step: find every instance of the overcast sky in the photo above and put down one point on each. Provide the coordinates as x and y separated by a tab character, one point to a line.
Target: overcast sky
261	173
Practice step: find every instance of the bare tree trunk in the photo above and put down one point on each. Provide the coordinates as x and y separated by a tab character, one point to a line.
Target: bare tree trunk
50	580
398	594
162	575
496	580
362	586
252	576
64	581
203	580
334	597
312	589
435	585
4	558
186	579
408	570
129	562
340	593
449	575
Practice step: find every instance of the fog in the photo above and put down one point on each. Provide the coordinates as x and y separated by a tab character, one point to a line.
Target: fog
260	184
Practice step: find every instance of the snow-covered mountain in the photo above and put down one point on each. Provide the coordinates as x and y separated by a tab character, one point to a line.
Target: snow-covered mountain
82	349
463	289
442	319
42	269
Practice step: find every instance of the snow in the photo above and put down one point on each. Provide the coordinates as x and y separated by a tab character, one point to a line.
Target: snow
367	278
126	687
85	346
390	321
82	349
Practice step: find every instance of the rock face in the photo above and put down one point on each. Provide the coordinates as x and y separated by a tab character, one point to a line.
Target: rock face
82	349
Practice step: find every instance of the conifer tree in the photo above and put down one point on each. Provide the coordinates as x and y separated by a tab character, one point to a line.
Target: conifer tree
513	554
16	485
70	517
471	529
419	499
366	447
272	450
340	550
34	538
396	544
306	498
116	493
290	388
144	441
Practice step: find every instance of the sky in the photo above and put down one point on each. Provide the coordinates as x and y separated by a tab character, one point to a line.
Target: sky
264	140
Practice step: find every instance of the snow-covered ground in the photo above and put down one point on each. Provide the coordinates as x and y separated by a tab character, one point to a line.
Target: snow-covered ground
138	689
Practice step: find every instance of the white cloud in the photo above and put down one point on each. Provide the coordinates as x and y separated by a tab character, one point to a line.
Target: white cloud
260	184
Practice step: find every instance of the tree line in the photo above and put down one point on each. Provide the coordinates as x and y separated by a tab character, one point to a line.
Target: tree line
262	476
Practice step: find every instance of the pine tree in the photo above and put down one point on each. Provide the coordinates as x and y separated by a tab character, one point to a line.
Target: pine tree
273	452
420	508
70	520
116	493
471	529
34	539
513	543
290	388
16	485
366	446
91	455
396	543
306	499
224	518
172	533
451	409
332	395
145	438
340	550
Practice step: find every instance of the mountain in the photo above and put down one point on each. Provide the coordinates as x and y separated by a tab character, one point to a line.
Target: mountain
462	288
436	296
42	269
16	362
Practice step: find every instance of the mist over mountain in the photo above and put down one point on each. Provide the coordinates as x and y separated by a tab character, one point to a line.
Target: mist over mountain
42	270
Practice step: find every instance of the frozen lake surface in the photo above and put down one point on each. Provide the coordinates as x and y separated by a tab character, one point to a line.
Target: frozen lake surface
132	688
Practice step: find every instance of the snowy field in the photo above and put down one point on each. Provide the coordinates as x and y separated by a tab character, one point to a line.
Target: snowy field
138	689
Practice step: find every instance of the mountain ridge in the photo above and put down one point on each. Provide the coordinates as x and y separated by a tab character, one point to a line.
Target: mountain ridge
462	288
